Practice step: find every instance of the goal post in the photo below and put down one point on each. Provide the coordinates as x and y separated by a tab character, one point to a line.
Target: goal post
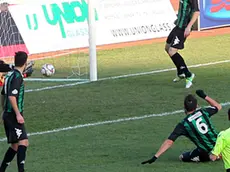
92	40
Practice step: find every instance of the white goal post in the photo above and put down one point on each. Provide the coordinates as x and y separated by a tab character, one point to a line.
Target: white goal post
92	40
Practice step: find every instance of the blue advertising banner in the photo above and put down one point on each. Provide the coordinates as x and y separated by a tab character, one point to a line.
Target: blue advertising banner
214	13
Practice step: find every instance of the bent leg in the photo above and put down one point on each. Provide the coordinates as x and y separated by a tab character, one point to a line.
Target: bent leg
194	156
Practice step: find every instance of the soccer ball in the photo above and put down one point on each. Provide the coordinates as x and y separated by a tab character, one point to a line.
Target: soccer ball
47	70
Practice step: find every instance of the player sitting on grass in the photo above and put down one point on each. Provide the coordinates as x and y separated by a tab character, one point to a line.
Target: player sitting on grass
5	68
222	147
197	127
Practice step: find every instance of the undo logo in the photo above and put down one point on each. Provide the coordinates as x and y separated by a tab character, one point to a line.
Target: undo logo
61	14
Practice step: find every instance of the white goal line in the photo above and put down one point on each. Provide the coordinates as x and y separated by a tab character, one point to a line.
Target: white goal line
125	76
56	79
108	122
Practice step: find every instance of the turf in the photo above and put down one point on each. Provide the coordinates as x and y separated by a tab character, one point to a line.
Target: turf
122	146
135	59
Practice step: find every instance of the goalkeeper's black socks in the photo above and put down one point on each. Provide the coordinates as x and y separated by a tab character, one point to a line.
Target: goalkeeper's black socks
21	156
9	156
180	65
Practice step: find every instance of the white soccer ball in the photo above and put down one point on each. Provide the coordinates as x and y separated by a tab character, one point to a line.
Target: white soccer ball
47	70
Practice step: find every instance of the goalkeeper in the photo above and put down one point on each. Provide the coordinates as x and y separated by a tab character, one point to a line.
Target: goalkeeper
197	127
4	68
222	147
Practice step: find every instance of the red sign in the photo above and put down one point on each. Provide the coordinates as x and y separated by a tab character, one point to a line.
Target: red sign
218	5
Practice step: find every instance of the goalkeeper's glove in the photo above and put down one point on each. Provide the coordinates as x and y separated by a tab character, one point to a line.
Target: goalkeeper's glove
201	94
29	69
150	161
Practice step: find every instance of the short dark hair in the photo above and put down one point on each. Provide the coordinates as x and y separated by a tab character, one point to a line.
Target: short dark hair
20	58
190	103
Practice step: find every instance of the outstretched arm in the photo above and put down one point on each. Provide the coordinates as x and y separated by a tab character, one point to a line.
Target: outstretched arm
213	102
4	68
164	147
208	99
178	131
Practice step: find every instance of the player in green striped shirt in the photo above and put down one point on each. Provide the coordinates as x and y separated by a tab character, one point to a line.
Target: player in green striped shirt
196	126
222	148
12	102
188	13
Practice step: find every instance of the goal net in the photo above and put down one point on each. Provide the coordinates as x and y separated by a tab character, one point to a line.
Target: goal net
10	38
71	63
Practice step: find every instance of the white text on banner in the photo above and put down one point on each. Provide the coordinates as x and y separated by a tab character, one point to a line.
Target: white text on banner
59	24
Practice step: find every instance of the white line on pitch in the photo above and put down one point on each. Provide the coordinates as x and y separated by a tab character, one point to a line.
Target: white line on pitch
126	76
108	122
